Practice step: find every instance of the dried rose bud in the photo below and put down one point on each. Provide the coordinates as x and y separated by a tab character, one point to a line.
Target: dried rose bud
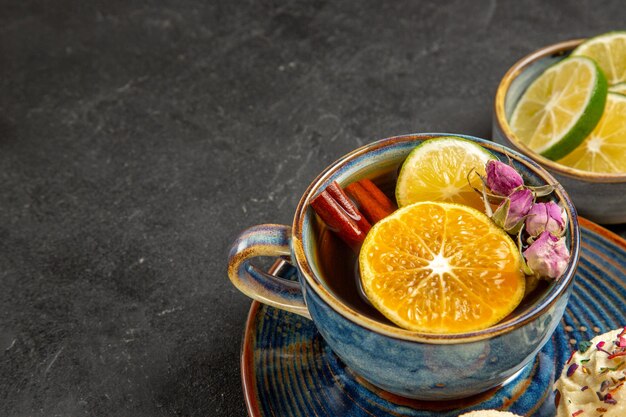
546	217
502	179
510	213
547	256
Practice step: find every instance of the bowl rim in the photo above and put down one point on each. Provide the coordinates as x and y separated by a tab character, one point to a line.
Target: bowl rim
500	117
556	292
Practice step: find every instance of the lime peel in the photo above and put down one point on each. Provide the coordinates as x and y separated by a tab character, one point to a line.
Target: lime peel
604	150
437	170
556	97
609	52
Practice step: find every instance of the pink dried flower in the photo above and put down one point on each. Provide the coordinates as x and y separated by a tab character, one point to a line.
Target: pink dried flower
512	210
547	256
502	179
546	217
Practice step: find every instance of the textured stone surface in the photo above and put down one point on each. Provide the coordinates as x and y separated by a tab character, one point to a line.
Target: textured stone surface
138	138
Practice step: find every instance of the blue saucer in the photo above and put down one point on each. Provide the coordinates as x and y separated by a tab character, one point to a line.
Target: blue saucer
288	370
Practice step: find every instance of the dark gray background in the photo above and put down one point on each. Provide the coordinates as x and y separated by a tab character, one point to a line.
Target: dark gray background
138	138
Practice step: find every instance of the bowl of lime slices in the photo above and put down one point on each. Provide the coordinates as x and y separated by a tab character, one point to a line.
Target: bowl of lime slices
564	106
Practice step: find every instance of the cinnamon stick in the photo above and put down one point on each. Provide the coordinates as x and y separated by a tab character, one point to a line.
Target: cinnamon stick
344	201
374	204
341	215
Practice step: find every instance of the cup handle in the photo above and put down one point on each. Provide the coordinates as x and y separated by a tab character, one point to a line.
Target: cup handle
265	240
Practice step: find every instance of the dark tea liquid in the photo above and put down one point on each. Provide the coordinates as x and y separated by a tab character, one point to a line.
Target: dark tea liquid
339	265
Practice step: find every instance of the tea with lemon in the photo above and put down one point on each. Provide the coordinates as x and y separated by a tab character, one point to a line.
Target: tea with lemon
437	264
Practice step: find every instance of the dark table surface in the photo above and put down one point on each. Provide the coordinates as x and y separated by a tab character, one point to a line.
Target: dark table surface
137	139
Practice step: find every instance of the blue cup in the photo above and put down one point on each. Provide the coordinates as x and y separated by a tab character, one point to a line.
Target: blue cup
411	364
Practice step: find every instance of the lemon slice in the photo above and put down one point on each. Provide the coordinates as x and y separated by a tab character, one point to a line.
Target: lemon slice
618	88
609	52
436	170
441	268
561	107
604	151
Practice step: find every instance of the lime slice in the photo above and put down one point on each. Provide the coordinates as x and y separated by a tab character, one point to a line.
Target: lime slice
609	51
561	107
604	150
618	88
437	170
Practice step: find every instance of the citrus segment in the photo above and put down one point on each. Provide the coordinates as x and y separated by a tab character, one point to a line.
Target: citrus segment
437	169
561	107
609	52
604	151
441	268
618	88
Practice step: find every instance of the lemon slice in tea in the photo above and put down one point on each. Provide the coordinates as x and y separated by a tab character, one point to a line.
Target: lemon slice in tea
604	151
609	52
437	170
441	268
561	107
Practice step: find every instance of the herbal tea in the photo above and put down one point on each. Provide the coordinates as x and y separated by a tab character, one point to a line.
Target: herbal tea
437	264
339	263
